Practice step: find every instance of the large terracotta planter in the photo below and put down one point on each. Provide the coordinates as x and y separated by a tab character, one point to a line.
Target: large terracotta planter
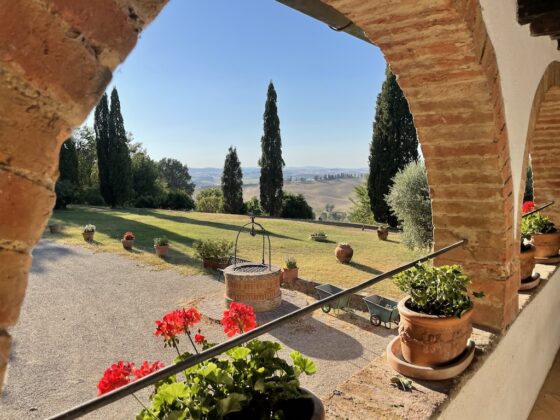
161	250
289	275
428	340
344	253
88	236
527	263
382	234
55	228
546	244
214	265
127	243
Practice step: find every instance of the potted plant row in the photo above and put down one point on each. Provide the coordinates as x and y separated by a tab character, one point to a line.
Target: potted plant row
214	253
161	246
543	233
290	271
88	233
250	381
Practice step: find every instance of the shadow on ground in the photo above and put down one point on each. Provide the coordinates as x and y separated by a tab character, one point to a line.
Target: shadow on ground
44	254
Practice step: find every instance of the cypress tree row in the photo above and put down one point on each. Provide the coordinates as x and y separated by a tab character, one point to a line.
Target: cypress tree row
271	162
394	144
101	128
232	183
69	179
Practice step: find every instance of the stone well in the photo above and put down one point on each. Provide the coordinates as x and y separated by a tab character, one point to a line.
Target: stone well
257	285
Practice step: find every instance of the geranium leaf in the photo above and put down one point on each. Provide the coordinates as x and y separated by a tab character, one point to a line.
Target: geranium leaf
238	353
231	404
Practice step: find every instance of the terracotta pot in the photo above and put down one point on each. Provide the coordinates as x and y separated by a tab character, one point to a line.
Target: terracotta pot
127	243
55	228
319	238
289	275
546	244
527	263
161	250
382	234
88	236
428	340
214	265
344	253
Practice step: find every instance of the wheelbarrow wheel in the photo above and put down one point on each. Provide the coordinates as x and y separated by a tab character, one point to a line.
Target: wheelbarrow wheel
375	320
326	308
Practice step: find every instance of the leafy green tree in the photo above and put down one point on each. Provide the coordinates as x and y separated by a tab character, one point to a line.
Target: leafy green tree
409	199
394	144
67	185
101	128
361	206
232	183
176	175
178	200
271	162
253	206
145	176
294	206
209	200
529	195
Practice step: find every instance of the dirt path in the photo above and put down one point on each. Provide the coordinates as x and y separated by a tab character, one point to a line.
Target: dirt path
85	310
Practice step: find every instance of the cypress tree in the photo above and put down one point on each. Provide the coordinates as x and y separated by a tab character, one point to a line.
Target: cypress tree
120	174
271	162
394	144
68	181
232	183
101	128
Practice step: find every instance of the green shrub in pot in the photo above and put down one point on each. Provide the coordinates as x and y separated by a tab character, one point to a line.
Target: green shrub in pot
214	250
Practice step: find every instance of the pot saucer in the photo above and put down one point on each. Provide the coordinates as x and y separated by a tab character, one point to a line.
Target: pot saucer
548	260
530	282
447	371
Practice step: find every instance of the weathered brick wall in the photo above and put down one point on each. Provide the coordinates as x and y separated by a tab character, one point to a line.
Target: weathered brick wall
56	59
544	141
446	66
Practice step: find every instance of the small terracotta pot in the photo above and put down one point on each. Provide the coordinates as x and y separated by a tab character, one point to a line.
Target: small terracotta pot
214	265
382	234
344	253
127	243
429	340
289	275
88	236
527	263
546	244
161	250
55	228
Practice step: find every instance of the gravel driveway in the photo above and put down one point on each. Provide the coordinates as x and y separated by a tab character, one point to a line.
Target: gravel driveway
85	310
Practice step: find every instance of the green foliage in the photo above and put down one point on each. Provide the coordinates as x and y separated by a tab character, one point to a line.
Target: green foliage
271	162
409	199
216	250
528	195
252	383
161	241
101	127
92	196
536	223
232	183
361	206
294	206
253	206
394	144
176	175
178	200
440	291
86	150
145	176
290	262
209	200
67	185
65	193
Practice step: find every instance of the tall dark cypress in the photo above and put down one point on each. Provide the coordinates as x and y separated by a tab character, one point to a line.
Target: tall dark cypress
101	127
69	179
271	162
232	183
120	174
394	144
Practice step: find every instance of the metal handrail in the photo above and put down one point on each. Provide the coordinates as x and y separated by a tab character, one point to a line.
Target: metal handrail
544	206
163	373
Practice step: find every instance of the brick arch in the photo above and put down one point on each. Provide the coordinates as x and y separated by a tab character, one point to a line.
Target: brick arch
446	66
543	140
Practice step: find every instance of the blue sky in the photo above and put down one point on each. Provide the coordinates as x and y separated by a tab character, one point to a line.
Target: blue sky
196	84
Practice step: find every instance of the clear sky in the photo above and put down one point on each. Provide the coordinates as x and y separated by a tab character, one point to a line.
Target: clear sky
196	84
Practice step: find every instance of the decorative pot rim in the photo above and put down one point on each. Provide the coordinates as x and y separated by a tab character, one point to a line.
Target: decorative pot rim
289	269
161	246
344	245
419	317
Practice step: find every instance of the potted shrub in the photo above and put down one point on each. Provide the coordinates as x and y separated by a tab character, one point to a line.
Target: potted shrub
544	234
318	236
88	232
435	317
290	271
250	381
128	240
161	245
382	232
55	228
214	253
344	252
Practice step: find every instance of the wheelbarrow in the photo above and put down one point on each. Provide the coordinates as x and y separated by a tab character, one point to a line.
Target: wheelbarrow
326	290
382	310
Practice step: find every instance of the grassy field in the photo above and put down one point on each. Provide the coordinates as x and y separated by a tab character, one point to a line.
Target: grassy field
316	260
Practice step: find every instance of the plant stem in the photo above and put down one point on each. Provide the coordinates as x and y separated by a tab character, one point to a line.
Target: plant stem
176	347
192	342
145	408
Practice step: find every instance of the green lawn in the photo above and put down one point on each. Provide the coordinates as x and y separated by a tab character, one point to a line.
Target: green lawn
316	260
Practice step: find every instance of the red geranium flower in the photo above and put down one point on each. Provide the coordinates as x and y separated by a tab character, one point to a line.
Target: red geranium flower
114	377
190	318
238	319
145	369
177	322
128	236
528	206
199	339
